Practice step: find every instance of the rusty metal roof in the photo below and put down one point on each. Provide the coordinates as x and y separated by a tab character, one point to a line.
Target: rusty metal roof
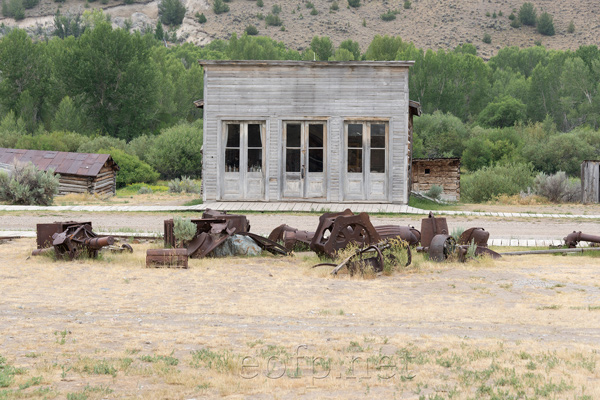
84	164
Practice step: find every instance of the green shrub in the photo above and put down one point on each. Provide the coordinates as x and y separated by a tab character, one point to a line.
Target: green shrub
131	168
273	20
434	192
545	24
55	141
171	12
102	142
527	14
314	11
27	185
183	185
260	3
558	188
276	9
407	4
251	30
388	16
309	4
487	38
515	23
145	190
219	7
354	3
177	151
334	6
30	3
201	18
13	9
489	182
11	130
184	230
571	28
512	16
141	147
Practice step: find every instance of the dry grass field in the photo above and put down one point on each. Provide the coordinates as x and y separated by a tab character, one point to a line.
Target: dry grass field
267	327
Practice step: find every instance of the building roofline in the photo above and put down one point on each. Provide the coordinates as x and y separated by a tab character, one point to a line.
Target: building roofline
310	64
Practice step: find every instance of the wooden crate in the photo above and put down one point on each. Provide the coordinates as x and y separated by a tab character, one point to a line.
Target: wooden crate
157	258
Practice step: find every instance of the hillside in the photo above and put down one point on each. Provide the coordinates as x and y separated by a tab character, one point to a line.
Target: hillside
428	23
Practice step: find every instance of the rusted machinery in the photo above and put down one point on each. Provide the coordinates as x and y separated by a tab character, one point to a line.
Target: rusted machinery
76	239
212	230
573	239
167	257
439	245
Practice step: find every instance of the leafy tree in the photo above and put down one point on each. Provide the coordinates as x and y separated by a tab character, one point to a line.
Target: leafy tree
109	73
97	143
11	130
545	24
443	135
528	14
25	76
502	113
219	7
171	12
384	48
352	46
68	117
342	55
159	33
141	147
323	47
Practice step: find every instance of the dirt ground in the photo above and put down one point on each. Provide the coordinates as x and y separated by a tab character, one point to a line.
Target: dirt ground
271	327
132	222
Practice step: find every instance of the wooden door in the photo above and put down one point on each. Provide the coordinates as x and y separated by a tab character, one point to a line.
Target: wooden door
304	153
366	161
243	167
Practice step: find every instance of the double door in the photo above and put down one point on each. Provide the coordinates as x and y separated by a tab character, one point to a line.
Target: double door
305	161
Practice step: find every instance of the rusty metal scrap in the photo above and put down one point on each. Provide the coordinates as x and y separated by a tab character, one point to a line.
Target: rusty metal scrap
239	222
75	240
338	230
290	236
432	226
573	239
167	257
479	236
407	233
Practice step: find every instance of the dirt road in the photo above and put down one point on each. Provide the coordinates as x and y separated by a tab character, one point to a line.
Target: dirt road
505	228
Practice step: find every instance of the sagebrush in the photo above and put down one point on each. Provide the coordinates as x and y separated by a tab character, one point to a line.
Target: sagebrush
27	185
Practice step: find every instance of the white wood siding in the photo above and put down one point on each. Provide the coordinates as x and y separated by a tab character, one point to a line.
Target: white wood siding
332	93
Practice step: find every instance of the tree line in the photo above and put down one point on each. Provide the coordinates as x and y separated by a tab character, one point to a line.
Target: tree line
99	81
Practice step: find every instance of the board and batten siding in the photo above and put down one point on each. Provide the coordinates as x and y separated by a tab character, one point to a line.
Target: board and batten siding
279	91
590	181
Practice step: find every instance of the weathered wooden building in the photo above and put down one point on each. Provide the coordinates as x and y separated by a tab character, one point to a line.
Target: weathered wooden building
590	181
306	131
444	172
79	172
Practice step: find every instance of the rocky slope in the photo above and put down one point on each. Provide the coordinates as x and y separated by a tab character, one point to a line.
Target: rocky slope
430	24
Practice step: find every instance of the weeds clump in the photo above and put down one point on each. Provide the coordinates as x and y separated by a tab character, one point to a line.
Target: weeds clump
183	185
145	190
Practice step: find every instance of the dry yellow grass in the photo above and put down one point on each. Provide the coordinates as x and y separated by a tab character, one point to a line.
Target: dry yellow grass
235	328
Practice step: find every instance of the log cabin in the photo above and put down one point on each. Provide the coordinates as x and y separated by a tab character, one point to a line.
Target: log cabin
78	172
444	172
307	131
